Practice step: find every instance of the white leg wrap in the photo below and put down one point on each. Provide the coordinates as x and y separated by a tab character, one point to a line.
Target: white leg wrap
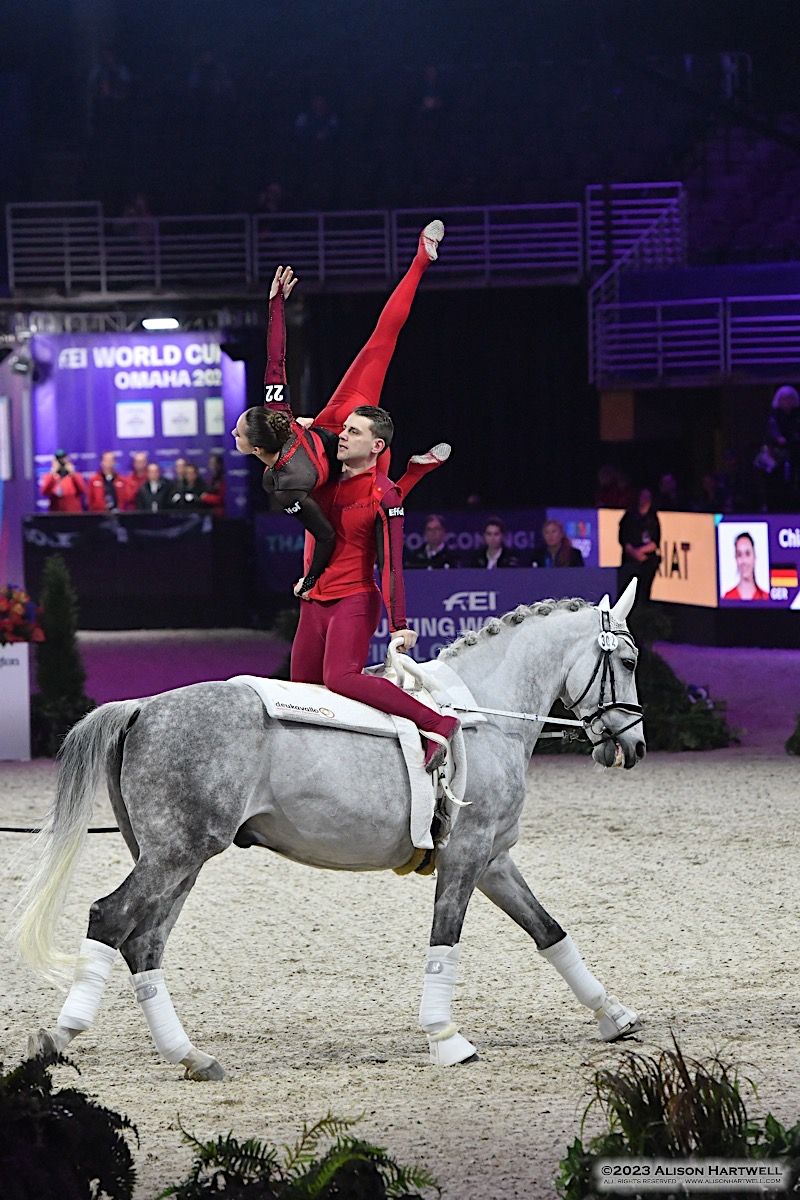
437	988
159	1012
567	961
95	961
445	1043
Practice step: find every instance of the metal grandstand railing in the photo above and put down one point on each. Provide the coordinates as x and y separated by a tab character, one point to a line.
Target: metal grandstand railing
680	341
74	249
660	243
621	216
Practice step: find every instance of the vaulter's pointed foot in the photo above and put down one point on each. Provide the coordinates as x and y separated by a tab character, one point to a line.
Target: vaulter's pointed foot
434	457
429	239
438	743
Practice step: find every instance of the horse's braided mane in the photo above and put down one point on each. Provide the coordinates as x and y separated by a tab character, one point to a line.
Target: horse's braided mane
542	608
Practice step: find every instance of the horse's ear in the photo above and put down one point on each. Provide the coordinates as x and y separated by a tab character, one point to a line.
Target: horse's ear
605	604
625	603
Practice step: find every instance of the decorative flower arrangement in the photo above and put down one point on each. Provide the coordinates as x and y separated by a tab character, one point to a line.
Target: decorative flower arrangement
19	617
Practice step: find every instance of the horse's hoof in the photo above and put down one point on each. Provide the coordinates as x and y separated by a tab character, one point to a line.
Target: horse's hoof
449	1051
616	1021
41	1044
201	1067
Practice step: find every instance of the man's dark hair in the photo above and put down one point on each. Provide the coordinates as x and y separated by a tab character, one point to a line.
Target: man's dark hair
496	522
380	422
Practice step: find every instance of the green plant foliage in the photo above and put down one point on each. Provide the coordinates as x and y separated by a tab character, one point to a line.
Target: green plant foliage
668	1106
348	1169
675	717
793	741
59	1145
60	673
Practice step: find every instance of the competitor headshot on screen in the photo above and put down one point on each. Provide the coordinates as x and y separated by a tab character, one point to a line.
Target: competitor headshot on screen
747	588
300	454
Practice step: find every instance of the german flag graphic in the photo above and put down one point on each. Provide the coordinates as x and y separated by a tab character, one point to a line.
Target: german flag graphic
783	575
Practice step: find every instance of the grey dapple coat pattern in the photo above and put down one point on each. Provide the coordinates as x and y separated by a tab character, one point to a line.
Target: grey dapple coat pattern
183	769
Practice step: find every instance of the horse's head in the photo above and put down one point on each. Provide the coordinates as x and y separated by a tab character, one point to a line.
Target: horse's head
600	687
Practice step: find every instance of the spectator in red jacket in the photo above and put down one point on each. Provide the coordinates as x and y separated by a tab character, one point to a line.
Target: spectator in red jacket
63	485
108	491
137	478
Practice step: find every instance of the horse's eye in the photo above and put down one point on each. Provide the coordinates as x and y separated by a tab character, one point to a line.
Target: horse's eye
629	664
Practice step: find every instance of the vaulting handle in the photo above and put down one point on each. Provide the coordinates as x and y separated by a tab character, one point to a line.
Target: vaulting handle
393	662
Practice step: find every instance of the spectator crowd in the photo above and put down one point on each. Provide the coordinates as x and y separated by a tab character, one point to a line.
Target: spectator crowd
144	489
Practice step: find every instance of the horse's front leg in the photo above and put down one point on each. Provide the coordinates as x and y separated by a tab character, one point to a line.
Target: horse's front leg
502	882
458	870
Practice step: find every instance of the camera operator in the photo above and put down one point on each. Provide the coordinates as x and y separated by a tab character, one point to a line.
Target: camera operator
64	487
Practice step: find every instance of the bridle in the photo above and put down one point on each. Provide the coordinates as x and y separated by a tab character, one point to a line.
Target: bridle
607	641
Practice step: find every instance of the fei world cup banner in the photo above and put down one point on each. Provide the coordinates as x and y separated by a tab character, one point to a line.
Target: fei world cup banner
759	561
172	395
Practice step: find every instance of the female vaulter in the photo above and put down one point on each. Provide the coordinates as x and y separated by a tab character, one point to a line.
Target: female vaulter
299	455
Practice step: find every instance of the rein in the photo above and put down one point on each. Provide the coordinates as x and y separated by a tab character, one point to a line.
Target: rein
608	641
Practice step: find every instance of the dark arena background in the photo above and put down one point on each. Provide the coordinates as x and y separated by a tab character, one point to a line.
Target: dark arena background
609	339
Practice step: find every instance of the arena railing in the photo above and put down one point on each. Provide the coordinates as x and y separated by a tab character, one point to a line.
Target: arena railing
73	248
682	341
621	216
673	339
661	243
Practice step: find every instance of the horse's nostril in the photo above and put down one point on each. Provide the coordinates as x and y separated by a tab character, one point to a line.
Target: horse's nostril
640	749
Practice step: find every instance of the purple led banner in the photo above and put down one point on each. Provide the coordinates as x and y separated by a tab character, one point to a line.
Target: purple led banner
759	561
172	395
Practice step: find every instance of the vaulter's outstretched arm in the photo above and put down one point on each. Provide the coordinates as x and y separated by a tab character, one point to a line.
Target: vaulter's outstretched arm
276	387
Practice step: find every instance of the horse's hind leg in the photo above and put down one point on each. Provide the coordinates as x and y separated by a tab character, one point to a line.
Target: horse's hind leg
143	951
503	884
146	897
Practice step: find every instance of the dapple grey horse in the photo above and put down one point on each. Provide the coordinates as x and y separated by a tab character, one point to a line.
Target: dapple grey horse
183	769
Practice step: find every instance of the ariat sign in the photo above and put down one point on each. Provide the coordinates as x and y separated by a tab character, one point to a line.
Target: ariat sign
482	602
687	573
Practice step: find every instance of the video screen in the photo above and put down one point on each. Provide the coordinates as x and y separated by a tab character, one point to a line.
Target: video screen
759	561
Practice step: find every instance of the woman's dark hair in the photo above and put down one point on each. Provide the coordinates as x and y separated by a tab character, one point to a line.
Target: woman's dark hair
267	431
747	536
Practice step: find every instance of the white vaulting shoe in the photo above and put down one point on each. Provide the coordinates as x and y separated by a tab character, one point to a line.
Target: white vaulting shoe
430	237
437	454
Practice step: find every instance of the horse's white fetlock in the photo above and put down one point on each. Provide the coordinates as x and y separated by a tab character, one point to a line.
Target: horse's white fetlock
616	1021
448	1047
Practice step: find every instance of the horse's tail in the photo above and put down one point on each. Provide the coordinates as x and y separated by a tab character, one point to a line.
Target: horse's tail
82	759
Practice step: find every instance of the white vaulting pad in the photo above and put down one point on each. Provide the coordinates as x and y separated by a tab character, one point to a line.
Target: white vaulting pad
314	704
